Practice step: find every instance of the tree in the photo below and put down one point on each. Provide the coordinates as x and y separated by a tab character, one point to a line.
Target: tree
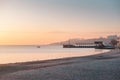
114	42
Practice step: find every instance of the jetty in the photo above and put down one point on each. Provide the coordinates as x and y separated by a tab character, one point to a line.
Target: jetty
80	45
96	45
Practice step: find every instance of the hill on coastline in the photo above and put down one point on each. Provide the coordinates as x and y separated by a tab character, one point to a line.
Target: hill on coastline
77	40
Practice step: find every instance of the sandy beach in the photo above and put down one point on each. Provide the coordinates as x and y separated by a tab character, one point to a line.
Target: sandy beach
104	66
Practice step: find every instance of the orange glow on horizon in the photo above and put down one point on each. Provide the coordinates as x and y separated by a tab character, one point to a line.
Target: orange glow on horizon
42	38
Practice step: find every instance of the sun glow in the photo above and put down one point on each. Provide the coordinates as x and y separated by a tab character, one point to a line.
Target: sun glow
40	22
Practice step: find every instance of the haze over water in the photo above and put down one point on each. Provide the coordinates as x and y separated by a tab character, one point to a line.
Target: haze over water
13	54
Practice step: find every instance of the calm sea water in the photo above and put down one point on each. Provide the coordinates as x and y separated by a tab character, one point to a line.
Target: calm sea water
13	54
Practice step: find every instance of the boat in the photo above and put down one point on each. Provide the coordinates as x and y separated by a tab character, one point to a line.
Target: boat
38	46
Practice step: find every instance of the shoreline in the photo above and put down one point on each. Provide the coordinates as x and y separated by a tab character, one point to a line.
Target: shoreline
9	70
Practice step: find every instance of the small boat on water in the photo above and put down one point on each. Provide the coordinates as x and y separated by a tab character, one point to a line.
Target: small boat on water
38	46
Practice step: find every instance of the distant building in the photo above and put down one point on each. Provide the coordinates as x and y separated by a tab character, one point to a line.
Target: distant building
111	37
119	42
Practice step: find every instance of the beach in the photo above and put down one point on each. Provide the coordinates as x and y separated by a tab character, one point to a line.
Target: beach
103	66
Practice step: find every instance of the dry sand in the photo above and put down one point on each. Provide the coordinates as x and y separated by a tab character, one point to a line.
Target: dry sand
104	66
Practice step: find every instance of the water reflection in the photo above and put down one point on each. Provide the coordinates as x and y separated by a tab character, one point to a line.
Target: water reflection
23	54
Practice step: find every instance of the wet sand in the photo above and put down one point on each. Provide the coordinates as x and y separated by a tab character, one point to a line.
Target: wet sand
104	66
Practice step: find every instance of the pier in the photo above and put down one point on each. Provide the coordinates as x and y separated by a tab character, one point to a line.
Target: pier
80	45
96	45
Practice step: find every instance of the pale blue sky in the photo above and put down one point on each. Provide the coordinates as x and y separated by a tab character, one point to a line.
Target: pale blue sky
61	11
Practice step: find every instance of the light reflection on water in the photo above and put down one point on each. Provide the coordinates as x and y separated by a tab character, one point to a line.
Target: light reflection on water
12	54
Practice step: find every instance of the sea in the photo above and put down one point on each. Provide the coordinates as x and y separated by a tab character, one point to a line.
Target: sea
16	54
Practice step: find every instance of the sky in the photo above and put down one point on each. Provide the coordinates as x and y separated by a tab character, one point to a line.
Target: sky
45	21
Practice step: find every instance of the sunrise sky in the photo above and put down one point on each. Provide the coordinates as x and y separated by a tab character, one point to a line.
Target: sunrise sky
47	21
